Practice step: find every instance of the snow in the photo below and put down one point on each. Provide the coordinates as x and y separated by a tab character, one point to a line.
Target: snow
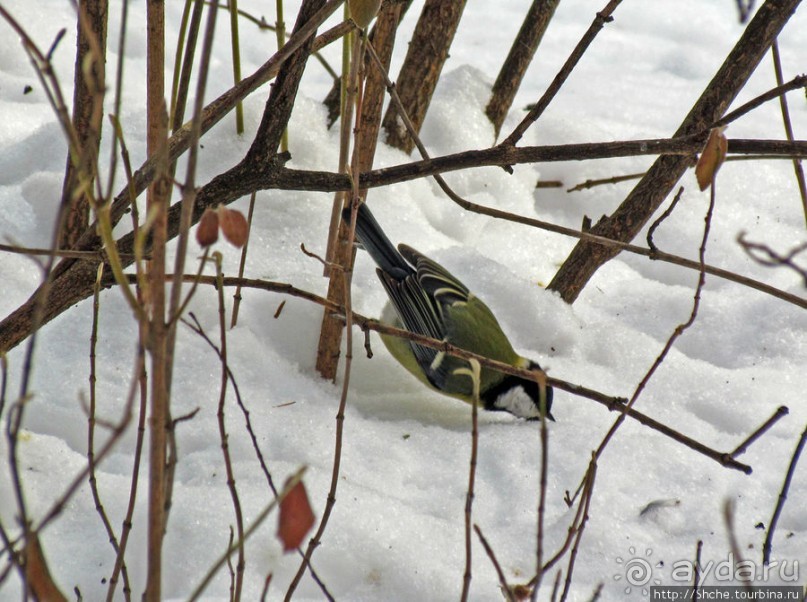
397	530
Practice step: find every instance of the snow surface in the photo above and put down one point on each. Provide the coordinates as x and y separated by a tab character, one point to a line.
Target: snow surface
397	528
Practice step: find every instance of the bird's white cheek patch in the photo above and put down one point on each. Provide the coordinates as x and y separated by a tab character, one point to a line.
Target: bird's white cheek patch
516	401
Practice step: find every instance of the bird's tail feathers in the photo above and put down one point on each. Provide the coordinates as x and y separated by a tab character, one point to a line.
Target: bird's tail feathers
376	243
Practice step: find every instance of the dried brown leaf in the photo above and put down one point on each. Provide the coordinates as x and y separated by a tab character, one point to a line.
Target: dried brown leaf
234	226
208	231
712	157
296	518
37	573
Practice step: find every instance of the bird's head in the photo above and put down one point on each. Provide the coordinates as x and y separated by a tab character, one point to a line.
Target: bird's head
520	397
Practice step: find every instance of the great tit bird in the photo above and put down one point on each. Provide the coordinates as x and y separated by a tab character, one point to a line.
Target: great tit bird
426	299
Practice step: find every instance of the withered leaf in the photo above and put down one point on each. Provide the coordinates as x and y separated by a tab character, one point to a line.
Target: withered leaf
208	231
296	518
234	226
712	157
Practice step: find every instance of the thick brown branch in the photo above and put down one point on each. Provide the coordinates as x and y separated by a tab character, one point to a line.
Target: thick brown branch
422	66
518	59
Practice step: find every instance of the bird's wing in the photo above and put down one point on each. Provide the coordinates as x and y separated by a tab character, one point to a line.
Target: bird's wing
421	299
417	312
437	282
465	321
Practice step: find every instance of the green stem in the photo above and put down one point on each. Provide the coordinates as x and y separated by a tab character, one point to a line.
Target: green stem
239	108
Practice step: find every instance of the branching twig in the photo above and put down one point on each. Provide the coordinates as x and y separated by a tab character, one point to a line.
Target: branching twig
585	503
650	231
505	587
765	255
196	327
581	516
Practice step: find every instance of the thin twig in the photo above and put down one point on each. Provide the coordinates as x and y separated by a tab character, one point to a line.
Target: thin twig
505	587
126	527
599	182
780	412
91	421
230	566
539	546
475	372
603	17
591	474
728	518
117	432
777	67
579	517
265	591
85	255
791	469
223	436
650	244
243	261
696	579
556	586
797	82
196	327
765	255
236	55
14	558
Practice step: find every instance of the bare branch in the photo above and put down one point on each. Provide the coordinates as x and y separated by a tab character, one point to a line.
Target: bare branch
791	469
603	17
765	255
505	587
780	412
